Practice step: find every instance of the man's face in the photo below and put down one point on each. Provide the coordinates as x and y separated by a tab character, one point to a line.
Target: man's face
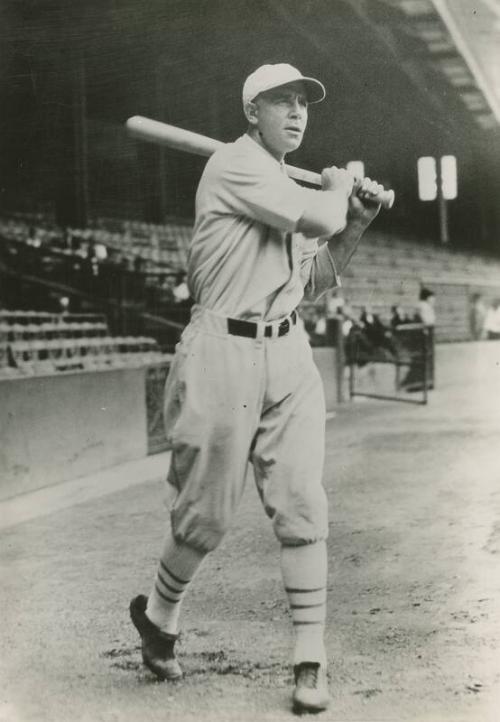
281	115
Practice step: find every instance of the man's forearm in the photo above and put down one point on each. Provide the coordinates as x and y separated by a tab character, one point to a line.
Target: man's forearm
343	245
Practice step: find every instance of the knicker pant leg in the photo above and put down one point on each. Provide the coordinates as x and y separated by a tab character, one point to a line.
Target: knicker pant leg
211	412
288	450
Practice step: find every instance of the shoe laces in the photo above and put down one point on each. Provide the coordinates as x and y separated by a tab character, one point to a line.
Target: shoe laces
308	675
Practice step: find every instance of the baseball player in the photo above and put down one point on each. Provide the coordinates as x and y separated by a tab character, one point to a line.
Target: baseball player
242	385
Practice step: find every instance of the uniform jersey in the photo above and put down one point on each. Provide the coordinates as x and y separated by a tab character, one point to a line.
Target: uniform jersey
245	259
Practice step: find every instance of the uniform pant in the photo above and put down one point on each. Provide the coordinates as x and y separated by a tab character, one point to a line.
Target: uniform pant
229	400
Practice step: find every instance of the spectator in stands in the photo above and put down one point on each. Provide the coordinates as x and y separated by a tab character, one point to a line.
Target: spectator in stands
478	312
167	288
63	305
101	251
426	315
181	290
338	310
33	238
492	321
374	331
367	339
398	317
315	325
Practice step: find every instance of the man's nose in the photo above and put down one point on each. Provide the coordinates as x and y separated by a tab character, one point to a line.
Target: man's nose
296	108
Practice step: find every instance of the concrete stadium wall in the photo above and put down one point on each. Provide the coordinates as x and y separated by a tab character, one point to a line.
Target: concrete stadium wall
56	428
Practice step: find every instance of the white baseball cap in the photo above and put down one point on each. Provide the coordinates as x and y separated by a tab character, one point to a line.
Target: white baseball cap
272	76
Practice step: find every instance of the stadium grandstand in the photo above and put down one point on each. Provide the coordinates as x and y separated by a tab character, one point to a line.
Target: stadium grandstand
67	163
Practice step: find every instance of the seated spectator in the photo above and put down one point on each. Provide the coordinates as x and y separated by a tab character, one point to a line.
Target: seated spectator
63	302
375	331
181	290
368	340
492	321
167	289
101	252
398	317
33	238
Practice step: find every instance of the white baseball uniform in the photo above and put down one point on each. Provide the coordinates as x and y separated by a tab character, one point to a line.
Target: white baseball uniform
243	385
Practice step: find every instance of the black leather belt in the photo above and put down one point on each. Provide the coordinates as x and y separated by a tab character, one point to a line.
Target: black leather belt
238	327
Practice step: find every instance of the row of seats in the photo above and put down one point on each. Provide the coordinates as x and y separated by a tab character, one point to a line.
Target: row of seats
147	239
25	317
381	250
33	331
34	342
169	232
158	252
51	356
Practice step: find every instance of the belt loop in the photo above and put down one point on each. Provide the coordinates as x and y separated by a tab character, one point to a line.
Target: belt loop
261	330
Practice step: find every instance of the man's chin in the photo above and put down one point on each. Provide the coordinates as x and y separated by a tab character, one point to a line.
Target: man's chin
293	144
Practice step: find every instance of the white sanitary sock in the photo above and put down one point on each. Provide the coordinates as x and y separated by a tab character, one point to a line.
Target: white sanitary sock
177	567
304	569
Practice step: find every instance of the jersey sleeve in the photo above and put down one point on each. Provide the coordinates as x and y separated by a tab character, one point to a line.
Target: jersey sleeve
258	189
317	269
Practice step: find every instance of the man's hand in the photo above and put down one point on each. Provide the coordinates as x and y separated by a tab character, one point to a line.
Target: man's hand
337	179
362	208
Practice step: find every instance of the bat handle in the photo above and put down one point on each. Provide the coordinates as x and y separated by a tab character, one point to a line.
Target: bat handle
385	198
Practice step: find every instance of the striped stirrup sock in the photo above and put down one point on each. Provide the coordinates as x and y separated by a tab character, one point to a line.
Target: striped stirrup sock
178	565
304	570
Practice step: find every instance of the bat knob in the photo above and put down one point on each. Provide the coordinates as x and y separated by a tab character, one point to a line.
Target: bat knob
388	200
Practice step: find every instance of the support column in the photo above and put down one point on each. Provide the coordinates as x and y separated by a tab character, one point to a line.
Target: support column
80	139
442	205
71	152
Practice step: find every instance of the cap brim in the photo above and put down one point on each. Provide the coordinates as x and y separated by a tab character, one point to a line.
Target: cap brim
316	91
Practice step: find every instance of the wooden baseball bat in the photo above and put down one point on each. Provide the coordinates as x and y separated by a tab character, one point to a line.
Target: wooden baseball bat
164	134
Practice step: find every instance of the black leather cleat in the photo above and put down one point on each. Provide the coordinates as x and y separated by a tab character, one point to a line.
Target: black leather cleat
157	647
311	689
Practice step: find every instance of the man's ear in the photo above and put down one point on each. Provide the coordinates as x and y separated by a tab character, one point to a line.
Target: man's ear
252	112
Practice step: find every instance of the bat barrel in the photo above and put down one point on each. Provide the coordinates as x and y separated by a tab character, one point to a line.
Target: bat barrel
171	136
154	131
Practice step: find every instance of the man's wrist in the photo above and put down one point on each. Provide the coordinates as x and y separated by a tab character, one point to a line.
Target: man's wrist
357	224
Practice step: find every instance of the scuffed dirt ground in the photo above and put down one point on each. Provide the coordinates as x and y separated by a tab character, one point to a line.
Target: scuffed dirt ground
413	615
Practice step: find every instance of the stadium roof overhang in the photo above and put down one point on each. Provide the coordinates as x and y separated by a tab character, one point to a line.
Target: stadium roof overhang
458	40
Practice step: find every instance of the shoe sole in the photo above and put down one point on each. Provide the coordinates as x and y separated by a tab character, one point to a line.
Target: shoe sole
160	673
299	708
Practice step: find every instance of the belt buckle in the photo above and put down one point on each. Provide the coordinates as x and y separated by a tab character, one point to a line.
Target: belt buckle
284	327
